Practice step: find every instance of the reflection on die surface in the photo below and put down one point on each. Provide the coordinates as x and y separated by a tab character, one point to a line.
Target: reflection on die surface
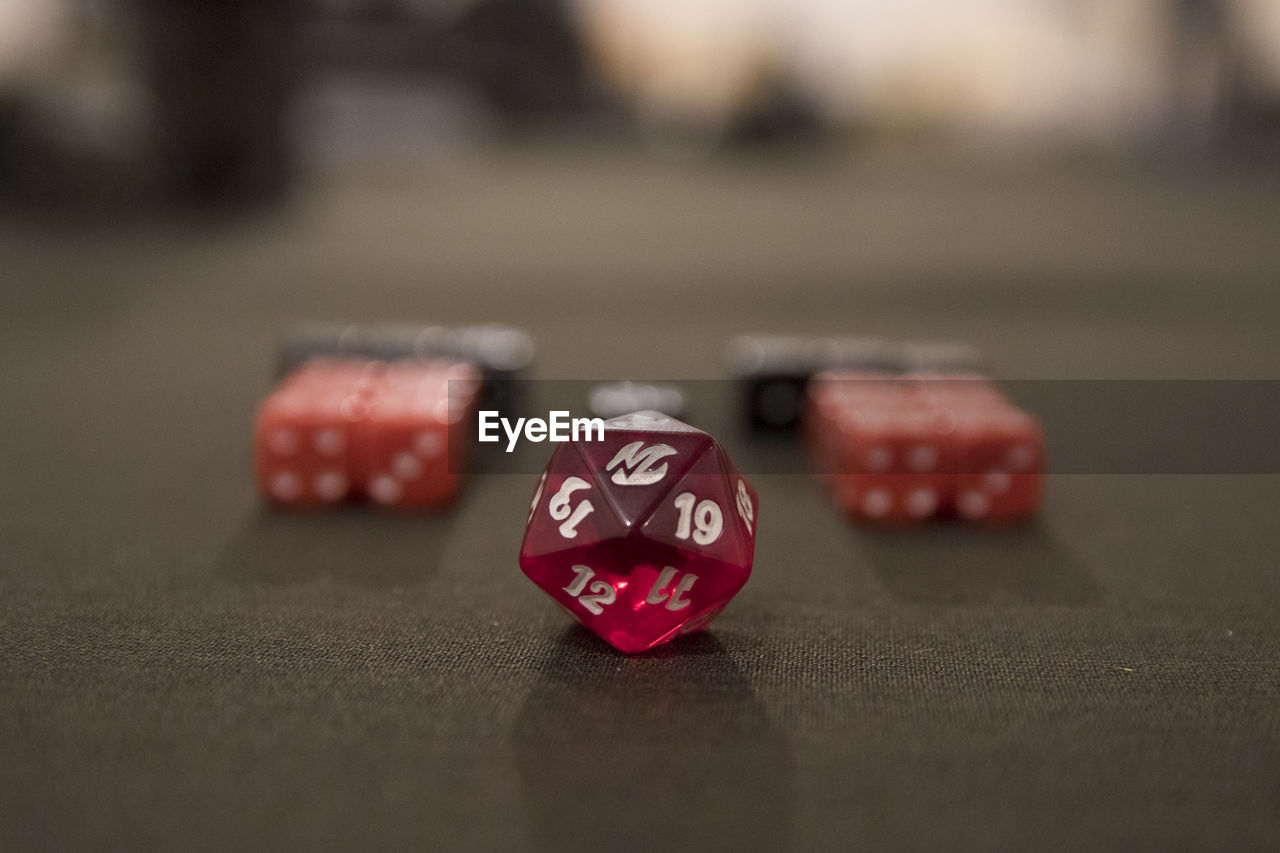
644	535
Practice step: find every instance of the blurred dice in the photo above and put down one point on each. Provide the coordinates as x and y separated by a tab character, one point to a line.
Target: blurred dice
336	430
774	370
614	399
502	354
902	449
303	435
403	442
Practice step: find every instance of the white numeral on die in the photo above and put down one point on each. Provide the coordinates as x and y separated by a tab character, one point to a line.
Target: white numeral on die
602	592
706	519
745	509
657	595
560	510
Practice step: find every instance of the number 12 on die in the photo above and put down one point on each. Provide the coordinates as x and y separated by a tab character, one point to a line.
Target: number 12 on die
595	595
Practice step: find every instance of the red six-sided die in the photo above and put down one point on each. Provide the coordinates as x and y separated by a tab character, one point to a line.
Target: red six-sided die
999	465
907	448
644	535
304	433
403	441
337	429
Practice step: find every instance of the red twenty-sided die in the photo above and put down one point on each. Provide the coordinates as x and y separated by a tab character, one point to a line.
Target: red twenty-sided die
644	535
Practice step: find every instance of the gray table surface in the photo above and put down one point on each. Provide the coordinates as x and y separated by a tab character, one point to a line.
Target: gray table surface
180	669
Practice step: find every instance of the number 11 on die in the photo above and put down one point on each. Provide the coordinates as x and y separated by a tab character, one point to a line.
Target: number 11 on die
602	593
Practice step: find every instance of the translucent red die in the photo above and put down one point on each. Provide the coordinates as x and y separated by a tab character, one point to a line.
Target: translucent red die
642	536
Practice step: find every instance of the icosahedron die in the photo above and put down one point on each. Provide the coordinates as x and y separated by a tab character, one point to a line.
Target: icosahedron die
644	535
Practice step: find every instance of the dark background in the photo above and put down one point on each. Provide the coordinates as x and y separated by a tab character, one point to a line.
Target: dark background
182	668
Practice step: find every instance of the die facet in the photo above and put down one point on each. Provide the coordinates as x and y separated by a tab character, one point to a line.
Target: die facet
643	536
